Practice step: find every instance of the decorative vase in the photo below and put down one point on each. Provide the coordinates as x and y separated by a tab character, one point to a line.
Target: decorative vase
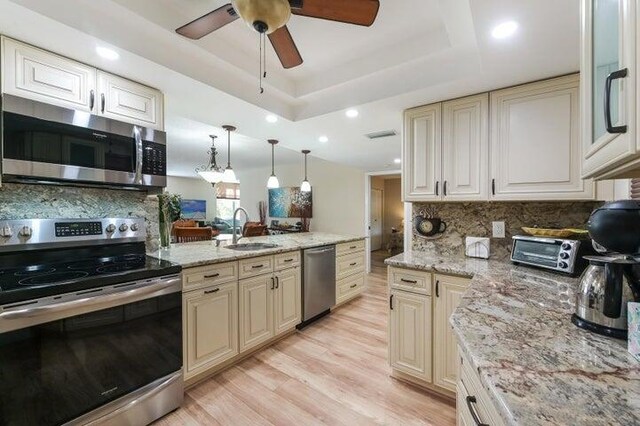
164	220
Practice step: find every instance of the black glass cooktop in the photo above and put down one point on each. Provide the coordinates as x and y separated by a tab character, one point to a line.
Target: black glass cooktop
34	275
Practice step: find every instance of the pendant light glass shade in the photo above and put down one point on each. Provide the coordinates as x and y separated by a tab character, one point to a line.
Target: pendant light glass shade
229	175
212	173
305	186
273	182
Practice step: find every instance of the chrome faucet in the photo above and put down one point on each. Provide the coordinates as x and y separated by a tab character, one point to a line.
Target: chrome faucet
235	238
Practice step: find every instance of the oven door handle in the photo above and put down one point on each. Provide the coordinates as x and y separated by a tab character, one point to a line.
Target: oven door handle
88	301
139	154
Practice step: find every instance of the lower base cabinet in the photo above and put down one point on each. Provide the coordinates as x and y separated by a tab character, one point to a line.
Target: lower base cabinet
473	403
207	345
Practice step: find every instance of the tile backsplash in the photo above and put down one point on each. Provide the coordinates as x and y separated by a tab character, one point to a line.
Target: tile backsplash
474	220
20	201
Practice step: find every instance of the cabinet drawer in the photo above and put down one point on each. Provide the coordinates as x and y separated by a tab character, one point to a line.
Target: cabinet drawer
256	266
472	397
287	260
204	276
350	264
348	248
349	287
410	280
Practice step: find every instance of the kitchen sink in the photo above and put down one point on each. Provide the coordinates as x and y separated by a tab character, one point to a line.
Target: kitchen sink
251	246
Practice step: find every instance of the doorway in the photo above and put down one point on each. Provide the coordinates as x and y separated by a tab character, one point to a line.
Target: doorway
377	197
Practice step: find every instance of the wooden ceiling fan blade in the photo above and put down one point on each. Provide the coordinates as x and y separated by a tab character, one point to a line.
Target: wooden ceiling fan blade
285	47
208	23
357	12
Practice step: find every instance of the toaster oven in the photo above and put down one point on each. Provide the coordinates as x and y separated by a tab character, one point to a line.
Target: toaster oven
560	255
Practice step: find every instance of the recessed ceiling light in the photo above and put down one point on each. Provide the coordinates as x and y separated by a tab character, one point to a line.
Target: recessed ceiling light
107	53
352	113
323	139
504	30
397	161
271	118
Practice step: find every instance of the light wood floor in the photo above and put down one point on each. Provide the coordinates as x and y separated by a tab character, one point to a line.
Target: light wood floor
333	372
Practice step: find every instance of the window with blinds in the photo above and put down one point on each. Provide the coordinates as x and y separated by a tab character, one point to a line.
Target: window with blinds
635	189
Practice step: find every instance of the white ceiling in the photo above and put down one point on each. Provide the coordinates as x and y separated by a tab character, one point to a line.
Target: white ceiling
418	51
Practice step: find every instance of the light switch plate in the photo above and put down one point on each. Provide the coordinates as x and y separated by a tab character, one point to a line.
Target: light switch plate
498	230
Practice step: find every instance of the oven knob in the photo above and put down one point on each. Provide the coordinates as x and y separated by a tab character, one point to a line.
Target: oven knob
123	227
111	228
563	265
134	227
25	231
564	255
6	231
566	246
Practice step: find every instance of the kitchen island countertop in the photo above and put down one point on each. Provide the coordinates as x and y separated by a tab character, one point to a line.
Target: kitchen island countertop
206	253
514	326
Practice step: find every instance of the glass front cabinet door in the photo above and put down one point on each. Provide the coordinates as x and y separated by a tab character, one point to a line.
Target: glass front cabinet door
608	79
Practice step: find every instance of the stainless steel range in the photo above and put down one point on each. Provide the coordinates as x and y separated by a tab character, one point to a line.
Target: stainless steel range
90	327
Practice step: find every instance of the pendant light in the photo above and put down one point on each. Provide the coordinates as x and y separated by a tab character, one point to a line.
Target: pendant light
212	173
273	183
229	176
305	186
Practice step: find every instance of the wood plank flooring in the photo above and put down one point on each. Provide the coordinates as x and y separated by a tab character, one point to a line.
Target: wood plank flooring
334	372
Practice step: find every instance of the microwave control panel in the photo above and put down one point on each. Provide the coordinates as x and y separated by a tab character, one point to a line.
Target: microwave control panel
154	159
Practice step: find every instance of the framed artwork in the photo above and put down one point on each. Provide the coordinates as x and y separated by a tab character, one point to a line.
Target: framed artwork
193	209
290	202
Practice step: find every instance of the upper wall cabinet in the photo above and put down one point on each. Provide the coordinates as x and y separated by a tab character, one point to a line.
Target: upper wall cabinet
535	144
36	74
610	95
421	153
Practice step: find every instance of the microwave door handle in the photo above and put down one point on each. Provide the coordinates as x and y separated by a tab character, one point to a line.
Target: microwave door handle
139	154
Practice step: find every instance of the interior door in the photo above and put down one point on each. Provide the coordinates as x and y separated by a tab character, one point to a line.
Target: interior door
375	233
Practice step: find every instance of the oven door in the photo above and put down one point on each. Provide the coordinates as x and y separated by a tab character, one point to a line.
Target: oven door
71	357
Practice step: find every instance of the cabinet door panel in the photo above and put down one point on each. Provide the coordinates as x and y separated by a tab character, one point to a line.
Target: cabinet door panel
445	353
129	101
256	311
465	148
422	153
36	74
410	334
211	335
287	300
535	146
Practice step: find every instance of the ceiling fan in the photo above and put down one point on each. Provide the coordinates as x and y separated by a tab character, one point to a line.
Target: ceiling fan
271	16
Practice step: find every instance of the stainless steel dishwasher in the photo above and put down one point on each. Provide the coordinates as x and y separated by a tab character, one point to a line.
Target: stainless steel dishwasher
319	282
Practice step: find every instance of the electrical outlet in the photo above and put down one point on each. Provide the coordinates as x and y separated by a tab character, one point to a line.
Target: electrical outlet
498	230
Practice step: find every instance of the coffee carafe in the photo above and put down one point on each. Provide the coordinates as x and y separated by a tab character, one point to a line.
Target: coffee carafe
612	280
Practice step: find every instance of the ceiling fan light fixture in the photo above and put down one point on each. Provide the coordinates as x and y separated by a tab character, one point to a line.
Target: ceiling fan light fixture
264	16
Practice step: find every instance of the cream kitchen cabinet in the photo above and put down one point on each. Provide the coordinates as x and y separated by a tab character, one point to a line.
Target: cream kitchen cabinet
125	100
474	405
270	305
350	269
211	327
410	334
447	295
535	145
37	74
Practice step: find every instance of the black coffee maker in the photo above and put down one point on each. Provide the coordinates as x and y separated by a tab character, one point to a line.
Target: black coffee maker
613	279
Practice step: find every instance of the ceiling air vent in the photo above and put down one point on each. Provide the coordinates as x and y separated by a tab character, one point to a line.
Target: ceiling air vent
382	134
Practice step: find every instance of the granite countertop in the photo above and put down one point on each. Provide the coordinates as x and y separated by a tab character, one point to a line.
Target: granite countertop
206	253
540	369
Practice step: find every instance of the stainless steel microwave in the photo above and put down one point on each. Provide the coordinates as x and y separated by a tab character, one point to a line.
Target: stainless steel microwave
47	143
556	254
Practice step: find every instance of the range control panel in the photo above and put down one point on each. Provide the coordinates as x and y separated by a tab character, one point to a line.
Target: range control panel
75	229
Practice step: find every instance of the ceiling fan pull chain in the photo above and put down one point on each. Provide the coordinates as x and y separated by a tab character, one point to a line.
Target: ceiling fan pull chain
264	53
260	43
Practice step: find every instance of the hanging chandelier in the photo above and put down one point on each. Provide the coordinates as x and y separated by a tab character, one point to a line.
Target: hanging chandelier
229	175
211	172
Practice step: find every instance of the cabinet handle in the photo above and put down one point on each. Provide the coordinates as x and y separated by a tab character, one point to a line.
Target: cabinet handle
258	266
277	282
92	99
391	302
102	102
353	264
493	186
437	288
353	286
288	260
444	188
408	281
607	101
215	290
437	187
212	276
471	400
353	247
273	283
